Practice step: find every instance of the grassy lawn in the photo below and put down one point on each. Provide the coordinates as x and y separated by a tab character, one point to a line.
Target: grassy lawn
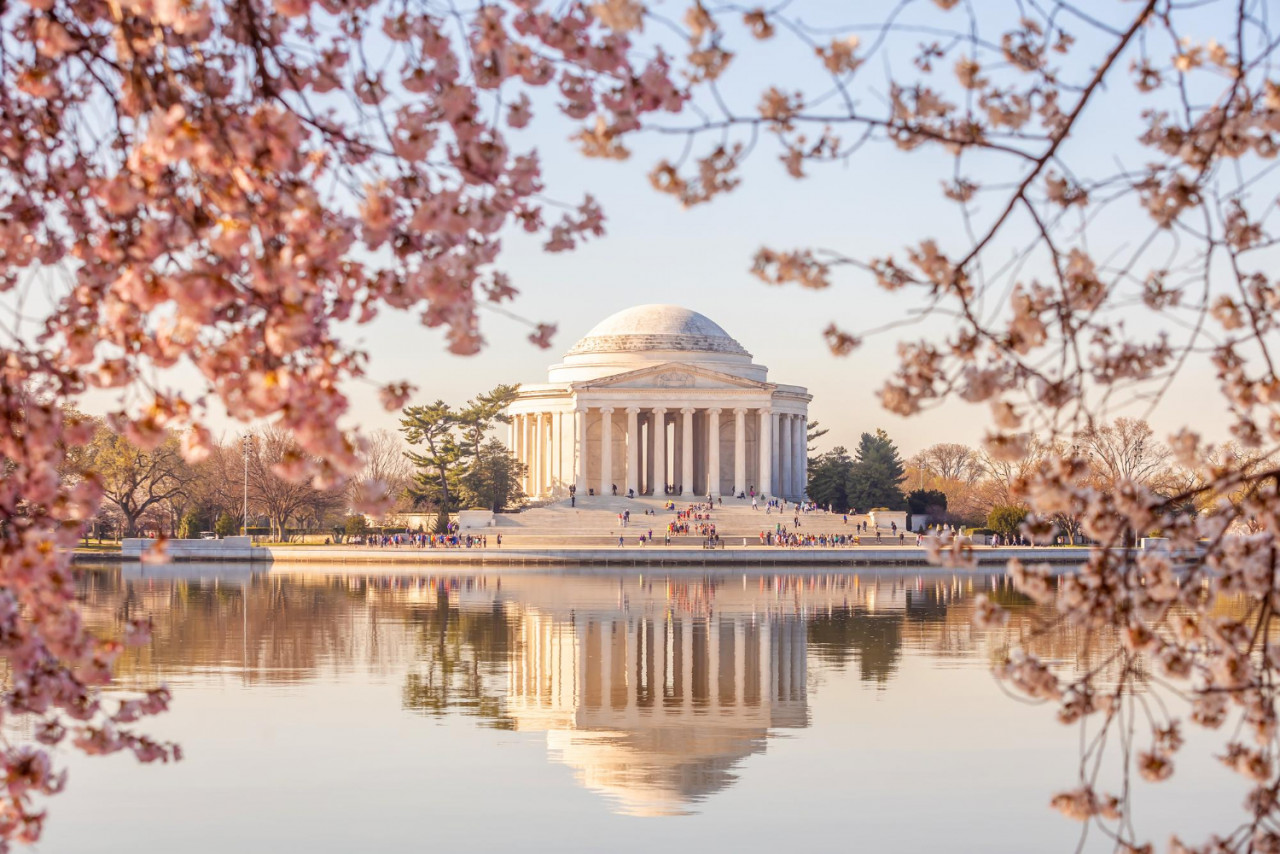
91	548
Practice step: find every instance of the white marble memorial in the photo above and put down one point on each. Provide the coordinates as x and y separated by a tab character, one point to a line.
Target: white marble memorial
659	399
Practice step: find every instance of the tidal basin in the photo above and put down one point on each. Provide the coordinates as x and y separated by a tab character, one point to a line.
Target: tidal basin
331	710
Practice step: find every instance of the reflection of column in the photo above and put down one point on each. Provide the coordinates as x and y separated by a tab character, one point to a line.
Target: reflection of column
606	449
620	686
740	662
633	449
739	451
727	664
580	448
800	465
764	443
713	453
784	455
686	456
659	451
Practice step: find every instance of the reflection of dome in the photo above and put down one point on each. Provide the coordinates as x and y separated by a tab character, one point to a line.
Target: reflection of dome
657	771
657	327
655	709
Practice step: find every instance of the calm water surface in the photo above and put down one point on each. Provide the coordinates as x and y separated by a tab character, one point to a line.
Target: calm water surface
329	711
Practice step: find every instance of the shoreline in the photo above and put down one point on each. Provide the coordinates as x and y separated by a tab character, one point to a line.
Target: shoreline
757	556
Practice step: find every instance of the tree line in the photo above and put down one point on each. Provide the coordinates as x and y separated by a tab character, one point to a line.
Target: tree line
956	484
440	461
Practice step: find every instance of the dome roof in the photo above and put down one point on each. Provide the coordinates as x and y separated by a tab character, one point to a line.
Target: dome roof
657	327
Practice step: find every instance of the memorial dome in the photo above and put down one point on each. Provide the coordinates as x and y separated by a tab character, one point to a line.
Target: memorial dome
657	327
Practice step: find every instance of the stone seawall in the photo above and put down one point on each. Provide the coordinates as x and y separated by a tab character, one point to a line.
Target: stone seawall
759	556
660	556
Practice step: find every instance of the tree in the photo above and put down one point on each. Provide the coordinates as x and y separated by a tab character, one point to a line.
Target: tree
829	477
435	482
385	472
355	525
134	480
210	186
928	502
271	456
813	433
192	525
492	479
1006	519
1124	450
482	413
225	526
876	477
949	461
458	465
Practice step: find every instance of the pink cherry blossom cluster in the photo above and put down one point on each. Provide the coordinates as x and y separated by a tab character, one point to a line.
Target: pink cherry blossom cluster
218	185
1052	322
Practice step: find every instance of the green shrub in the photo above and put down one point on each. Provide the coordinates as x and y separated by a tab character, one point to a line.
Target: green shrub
1005	519
225	526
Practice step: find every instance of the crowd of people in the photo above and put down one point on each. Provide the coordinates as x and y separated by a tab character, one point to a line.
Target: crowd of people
451	540
697	519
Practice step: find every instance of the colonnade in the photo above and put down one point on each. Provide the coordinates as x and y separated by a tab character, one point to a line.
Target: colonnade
656	450
616	671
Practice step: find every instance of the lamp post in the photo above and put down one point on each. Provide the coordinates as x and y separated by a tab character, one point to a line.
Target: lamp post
244	441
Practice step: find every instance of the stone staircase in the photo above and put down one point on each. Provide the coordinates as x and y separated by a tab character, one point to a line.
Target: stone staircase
594	523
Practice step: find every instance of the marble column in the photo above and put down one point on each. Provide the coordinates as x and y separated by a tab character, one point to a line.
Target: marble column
784	455
516	436
539	453
633	450
646	427
557	452
713	453
525	450
580	449
677	451
606	450
800	465
764	444
775	459
544	470
659	451
739	451
686	458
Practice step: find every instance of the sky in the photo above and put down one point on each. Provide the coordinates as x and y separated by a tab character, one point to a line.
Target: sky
870	205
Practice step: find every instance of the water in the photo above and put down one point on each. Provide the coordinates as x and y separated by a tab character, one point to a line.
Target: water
330	711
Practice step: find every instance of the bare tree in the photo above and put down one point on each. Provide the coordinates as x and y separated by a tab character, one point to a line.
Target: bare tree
950	461
385	468
274	489
1124	450
137	482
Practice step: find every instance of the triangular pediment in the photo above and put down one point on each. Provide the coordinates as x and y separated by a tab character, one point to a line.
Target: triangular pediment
673	375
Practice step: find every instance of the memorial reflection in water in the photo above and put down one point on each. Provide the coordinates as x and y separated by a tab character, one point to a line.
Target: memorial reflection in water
652	688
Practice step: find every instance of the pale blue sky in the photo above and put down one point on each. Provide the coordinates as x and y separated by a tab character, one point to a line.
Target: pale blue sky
655	252
872	205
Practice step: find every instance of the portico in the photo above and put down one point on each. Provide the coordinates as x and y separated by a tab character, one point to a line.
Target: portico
660	400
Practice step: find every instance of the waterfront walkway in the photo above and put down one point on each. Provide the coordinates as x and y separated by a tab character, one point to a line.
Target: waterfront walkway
588	534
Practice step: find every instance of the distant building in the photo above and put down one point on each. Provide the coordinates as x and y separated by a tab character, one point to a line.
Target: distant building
659	396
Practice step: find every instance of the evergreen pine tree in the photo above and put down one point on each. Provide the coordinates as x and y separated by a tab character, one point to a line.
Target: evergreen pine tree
876	476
